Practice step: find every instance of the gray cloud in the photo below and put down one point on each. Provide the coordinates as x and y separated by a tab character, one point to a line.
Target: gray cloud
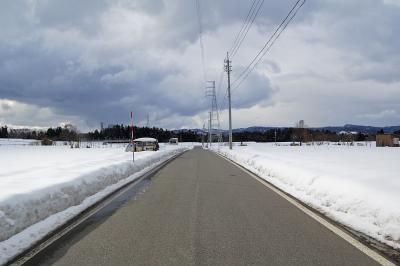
5	106
95	61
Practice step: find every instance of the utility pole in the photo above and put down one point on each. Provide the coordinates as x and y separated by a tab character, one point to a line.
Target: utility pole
133	144
275	137
228	69
209	131
202	135
148	121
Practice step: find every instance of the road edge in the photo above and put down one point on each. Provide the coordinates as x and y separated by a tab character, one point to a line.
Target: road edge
334	226
69	225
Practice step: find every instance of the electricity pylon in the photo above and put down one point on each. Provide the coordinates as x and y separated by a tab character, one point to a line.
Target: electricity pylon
214	122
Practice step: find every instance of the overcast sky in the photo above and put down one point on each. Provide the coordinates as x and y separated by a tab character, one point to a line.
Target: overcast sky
95	60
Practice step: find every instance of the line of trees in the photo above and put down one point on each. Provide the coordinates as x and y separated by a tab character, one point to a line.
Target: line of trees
123	132
115	132
58	133
4	132
299	135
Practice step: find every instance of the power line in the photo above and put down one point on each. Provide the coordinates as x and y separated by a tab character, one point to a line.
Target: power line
199	19
245	22
237	42
220	84
269	43
290	16
244	35
240	37
245	28
269	40
210	90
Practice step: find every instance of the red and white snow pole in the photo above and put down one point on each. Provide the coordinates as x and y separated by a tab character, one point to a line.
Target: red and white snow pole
133	144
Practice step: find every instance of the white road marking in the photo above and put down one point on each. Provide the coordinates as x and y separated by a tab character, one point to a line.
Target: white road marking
344	235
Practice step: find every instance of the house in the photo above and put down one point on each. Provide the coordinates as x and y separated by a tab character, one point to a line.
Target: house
143	144
387	140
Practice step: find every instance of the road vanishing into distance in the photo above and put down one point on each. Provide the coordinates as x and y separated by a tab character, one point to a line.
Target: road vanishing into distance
201	209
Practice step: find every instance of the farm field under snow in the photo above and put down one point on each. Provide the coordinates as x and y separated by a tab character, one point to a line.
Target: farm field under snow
42	187
356	186
18	142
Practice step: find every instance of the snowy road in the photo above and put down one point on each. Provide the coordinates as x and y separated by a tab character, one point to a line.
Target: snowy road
202	210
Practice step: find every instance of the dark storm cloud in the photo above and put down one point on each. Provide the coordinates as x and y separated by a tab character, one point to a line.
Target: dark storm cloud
98	60
34	74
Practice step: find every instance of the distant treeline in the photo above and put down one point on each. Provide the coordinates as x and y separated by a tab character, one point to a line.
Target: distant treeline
115	132
58	133
299	135
4	132
123	132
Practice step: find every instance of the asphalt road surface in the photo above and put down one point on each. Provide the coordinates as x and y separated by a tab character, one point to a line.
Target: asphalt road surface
202	210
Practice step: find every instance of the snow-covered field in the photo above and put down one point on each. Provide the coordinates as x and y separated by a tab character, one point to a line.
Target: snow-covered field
42	187
18	142
358	186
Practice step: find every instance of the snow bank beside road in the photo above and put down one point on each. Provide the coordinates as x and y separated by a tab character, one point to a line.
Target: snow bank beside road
356	186
43	187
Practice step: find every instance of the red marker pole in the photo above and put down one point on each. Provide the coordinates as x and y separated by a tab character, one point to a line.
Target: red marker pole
133	144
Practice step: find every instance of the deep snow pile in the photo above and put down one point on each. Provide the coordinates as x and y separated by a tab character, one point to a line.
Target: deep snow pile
357	186
42	187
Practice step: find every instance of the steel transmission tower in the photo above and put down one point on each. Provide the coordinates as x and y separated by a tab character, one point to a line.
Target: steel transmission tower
214	122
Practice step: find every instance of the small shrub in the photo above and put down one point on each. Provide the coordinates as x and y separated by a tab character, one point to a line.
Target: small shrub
47	142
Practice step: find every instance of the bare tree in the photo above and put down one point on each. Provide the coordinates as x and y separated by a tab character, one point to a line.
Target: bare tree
300	132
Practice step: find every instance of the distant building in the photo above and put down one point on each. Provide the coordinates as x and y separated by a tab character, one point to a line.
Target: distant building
387	140
143	144
173	141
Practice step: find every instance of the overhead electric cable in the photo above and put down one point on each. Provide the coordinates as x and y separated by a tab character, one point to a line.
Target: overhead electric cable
244	35
248	21
199	19
239	34
290	16
268	42
220	84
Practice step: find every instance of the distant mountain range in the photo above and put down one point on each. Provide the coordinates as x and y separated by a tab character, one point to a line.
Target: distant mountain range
362	129
336	129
